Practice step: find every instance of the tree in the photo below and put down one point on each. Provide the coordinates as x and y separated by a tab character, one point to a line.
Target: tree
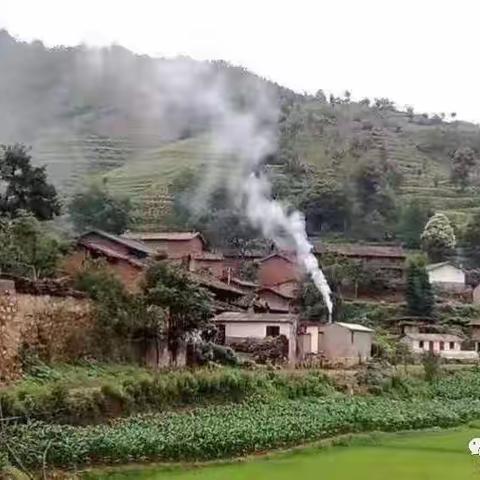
326	206
412	221
97	208
472	231
438	237
419	294
463	161
25	187
27	248
188	307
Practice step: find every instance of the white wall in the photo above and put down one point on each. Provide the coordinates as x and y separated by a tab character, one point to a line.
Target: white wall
447	274
415	346
254	329
313	331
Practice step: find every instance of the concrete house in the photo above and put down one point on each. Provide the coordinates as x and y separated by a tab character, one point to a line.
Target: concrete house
446	276
173	244
345	343
444	344
235	326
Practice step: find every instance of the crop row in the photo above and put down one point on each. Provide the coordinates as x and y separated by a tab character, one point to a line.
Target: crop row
228	430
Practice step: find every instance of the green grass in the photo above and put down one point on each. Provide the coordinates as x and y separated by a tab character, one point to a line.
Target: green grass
422	456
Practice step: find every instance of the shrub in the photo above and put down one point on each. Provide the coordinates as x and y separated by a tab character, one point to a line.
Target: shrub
431	365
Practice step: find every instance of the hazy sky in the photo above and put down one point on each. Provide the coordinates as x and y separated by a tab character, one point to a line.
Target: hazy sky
421	52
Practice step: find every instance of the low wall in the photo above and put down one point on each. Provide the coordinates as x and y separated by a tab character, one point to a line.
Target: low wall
55	328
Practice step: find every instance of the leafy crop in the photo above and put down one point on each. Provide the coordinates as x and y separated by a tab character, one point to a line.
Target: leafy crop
228	430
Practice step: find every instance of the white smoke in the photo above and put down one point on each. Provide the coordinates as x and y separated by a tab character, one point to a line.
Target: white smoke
120	93
246	137
269	216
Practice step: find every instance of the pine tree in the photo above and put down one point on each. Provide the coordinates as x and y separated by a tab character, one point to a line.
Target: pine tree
419	294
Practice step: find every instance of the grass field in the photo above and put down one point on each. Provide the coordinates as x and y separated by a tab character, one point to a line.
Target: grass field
438	455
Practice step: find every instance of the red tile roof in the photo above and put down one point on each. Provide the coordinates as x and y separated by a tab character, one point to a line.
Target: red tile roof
110	252
290	258
131	244
276	292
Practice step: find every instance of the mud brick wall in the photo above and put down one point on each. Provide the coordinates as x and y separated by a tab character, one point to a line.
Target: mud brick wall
54	328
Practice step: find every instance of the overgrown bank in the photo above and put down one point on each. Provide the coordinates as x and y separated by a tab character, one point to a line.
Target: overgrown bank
229	430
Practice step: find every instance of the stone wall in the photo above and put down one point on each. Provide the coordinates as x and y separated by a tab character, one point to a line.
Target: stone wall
54	328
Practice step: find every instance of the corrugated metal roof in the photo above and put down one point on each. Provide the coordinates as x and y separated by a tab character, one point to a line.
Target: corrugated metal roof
434	266
167	236
256	317
354	327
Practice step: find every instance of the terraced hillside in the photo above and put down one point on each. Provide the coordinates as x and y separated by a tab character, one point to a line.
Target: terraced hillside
114	126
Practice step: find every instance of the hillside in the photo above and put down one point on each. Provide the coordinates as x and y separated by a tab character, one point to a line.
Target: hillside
110	124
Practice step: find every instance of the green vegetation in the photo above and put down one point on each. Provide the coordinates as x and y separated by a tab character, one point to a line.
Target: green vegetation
28	248
231	430
80	394
419	294
324	143
438	237
420	456
25	187
97	208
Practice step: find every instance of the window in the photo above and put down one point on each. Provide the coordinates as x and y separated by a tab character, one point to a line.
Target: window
431	346
273	331
442	345
452	345
420	344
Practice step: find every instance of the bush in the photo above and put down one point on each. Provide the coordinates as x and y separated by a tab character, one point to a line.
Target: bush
431	364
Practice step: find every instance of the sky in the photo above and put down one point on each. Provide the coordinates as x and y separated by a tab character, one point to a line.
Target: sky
422	53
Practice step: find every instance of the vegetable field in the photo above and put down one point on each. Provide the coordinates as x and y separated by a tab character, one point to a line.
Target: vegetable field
230	430
420	456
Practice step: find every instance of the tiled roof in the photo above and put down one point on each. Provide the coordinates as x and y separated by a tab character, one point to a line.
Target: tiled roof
276	292
167	236
110	252
354	250
210	281
243	283
287	257
256	317
140	247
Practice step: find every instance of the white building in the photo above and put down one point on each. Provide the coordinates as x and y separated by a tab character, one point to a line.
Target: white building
446	276
444	344
235	326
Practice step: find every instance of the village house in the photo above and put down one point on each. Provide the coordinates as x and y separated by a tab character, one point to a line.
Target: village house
125	258
274	300
236	261
276	269
342	343
446	345
175	245
447	277
238	326
475	333
390	259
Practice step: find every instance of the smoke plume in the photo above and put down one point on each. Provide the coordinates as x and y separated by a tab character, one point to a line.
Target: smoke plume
84	98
